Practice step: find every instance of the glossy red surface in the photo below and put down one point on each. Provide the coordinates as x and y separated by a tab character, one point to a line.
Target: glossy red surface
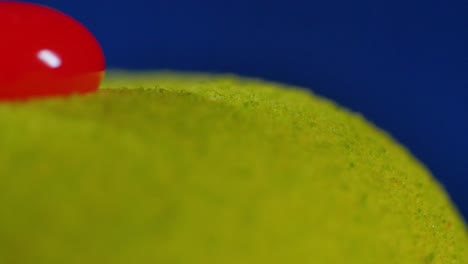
44	52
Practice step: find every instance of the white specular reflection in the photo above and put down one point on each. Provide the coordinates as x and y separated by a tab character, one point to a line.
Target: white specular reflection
49	58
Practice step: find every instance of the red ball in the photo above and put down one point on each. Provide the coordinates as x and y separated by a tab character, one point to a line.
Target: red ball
44	52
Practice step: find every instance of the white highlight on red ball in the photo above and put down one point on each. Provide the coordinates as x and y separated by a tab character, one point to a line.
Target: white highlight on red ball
49	58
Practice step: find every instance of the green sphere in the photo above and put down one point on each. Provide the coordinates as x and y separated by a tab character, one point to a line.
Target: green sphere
200	169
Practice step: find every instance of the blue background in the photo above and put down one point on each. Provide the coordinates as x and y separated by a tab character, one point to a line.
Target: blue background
403	64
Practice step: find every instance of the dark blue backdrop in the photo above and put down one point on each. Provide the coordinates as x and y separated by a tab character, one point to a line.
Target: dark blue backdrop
403	64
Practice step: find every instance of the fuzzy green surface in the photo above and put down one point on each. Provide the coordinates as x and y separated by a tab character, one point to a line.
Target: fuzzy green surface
167	168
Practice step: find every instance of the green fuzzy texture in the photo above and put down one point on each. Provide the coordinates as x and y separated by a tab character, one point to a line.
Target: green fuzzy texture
199	169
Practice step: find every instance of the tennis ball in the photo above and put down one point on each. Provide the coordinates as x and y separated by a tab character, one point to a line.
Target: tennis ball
171	168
